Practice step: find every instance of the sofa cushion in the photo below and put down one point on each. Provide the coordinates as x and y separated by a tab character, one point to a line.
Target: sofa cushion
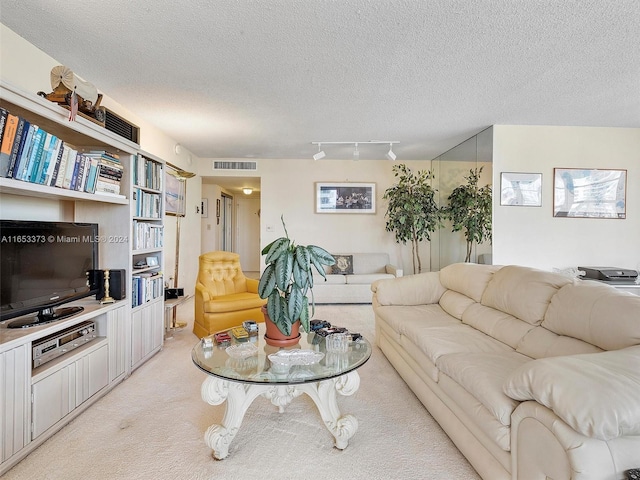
499	325
595	394
366	279
419	317
596	313
523	292
329	279
460	338
541	343
233	302
482	375
343	265
455	304
469	279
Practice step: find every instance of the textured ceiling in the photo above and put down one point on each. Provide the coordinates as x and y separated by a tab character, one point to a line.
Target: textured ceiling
264	78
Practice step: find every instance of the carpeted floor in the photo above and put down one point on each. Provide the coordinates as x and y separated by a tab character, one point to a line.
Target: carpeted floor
152	426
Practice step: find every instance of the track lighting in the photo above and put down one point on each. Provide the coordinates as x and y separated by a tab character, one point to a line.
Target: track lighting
390	155
356	151
320	155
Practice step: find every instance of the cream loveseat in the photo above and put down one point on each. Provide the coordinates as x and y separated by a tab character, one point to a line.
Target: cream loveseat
532	374
349	281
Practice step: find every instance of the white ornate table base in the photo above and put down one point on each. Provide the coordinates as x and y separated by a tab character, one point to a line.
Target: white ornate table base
239	397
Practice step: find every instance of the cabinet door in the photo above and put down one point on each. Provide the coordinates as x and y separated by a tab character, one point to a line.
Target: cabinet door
118	334
147	331
58	394
14	406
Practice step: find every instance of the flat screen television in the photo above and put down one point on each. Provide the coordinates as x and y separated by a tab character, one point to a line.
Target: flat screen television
44	265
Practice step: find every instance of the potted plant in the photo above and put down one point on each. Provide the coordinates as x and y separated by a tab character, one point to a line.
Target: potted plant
285	282
412	212
469	208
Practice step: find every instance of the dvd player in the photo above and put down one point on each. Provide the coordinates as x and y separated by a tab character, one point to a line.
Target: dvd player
52	346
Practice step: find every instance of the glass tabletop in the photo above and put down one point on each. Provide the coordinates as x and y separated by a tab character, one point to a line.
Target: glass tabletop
253	361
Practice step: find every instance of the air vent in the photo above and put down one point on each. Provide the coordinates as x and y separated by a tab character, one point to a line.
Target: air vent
120	126
235	165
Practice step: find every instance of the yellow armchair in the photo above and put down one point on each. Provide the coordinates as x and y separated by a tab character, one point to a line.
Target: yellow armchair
224	297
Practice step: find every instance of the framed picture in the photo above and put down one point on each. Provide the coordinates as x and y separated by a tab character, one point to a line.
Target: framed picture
152	261
204	207
345	197
521	189
589	193
174	194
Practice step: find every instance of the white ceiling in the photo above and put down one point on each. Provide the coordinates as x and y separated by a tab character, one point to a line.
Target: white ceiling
264	78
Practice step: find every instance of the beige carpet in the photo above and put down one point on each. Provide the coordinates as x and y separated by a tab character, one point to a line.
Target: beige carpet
152	426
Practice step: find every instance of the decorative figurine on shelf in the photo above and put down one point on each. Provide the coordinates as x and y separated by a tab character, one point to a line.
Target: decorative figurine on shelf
107	297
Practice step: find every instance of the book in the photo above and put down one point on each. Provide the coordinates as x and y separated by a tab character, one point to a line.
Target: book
18	144
25	152
8	137
62	168
71	163
41	167
3	121
34	156
51	181
76	171
93	175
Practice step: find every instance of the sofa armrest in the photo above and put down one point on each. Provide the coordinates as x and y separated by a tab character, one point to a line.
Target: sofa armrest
252	285
393	270
202	292
596	394
420	289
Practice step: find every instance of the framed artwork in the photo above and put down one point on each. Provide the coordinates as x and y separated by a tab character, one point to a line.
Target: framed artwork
204	207
521	189
345	197
589	193
174	194
152	261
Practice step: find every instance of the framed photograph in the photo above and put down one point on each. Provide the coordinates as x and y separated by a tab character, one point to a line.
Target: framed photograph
152	261
204	207
174	194
345	197
589	193
521	189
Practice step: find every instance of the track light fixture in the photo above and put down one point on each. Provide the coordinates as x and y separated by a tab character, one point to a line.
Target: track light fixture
320	155
356	152
390	155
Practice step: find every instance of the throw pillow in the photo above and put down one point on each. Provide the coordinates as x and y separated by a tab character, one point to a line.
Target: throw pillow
343	265
596	393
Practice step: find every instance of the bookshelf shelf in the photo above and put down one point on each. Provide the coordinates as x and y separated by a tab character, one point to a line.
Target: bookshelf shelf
17	187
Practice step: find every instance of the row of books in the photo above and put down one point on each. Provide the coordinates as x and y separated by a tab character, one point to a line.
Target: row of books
147	205
31	154
145	287
147	235
147	173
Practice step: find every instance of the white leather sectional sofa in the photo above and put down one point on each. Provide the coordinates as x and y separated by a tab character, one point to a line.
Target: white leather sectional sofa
353	287
532	374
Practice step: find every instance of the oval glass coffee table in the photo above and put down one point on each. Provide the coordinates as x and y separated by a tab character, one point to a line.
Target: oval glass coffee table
252	368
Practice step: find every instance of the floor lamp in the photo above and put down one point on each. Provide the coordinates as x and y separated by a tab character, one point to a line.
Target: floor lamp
182	176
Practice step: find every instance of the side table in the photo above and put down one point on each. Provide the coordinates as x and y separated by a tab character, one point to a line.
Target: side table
170	314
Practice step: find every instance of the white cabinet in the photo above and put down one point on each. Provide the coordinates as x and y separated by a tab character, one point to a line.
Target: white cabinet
61	390
147	331
15	380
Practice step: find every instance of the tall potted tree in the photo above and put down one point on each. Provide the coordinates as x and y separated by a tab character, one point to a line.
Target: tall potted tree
285	282
412	213
469	209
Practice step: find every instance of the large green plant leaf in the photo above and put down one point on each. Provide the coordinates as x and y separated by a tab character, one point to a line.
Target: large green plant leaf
284	269
277	247
267	281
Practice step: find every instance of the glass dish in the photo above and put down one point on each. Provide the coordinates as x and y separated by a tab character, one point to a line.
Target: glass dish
241	350
296	357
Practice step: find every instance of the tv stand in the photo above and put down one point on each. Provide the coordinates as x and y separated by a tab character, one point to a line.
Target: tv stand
45	316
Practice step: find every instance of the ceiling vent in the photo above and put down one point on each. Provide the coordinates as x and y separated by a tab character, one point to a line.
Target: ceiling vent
218	165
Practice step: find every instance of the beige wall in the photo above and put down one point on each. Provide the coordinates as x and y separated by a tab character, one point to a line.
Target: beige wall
28	68
531	235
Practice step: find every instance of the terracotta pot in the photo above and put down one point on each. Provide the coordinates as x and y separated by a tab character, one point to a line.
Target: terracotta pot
275	337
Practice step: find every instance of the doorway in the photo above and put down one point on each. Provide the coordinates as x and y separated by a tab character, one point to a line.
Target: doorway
226	221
